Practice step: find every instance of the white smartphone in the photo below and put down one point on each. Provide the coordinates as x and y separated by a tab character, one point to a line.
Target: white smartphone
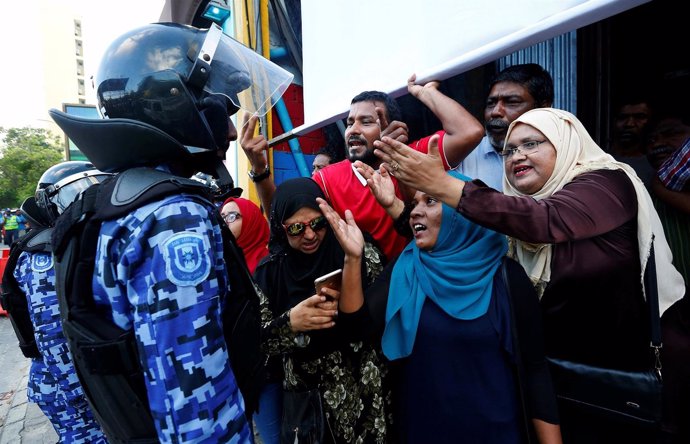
330	280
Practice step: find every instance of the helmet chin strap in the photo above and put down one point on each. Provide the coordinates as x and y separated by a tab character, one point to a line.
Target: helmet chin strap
222	175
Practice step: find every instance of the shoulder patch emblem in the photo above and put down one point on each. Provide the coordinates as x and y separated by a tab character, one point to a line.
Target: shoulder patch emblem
41	262
186	261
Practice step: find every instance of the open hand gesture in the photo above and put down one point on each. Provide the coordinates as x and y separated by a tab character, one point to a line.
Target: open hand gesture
420	171
346	231
380	183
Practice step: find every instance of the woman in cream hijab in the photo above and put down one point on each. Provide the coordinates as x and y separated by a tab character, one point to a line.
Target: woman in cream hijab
579	154
581	224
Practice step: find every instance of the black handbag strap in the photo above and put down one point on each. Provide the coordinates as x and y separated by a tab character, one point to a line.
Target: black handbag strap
652	295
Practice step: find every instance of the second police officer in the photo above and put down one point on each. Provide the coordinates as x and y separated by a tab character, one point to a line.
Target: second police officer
29	295
149	292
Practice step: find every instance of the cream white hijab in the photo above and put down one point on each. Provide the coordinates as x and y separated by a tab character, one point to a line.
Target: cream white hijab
577	153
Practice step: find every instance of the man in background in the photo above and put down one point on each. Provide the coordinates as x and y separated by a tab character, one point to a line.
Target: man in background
11	227
514	91
630	133
324	157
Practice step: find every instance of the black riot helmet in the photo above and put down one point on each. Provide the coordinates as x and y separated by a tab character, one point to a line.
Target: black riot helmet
37	216
166	91
60	185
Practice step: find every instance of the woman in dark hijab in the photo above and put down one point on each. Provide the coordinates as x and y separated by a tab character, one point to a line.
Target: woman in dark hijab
302	326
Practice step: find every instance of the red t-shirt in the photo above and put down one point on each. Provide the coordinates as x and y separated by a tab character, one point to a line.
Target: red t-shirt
347	190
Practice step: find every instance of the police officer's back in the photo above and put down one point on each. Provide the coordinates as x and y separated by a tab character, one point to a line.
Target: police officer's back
159	266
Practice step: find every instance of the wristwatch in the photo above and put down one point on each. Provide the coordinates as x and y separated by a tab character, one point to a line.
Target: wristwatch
258	177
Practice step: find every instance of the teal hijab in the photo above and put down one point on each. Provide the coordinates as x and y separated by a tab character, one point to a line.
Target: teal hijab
457	275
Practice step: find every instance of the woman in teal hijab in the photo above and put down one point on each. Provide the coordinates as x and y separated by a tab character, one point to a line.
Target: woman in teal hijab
442	314
462	261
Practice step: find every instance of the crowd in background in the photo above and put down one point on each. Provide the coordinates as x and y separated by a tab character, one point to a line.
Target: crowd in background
464	258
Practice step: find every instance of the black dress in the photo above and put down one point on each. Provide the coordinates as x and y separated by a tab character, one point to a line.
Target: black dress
350	375
459	383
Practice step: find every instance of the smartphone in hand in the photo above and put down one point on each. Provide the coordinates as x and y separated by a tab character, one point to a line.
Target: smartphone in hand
330	280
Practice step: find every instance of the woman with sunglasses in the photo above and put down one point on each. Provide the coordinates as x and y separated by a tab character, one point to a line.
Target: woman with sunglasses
302	326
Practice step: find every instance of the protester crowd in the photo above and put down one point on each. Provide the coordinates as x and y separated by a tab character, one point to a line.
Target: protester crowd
158	308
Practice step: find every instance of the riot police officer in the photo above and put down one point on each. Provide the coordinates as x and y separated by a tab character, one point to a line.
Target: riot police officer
29	282
161	271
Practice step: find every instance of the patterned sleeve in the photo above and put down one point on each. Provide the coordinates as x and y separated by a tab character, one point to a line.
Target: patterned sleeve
277	336
164	276
369	320
374	261
35	274
675	171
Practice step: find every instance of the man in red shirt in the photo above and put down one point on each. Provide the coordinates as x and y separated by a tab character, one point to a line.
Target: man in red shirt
374	114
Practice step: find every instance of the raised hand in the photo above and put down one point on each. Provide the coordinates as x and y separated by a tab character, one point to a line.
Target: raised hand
417	170
395	130
417	90
379	182
254	147
420	171
346	231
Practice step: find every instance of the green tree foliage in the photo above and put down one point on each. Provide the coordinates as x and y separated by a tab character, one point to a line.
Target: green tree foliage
26	154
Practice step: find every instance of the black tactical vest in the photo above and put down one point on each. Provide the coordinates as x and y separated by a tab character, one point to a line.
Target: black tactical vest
14	301
105	356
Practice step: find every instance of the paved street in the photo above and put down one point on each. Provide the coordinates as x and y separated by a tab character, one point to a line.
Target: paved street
21	422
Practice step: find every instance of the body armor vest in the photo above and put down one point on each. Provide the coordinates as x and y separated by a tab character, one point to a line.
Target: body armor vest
106	356
14	300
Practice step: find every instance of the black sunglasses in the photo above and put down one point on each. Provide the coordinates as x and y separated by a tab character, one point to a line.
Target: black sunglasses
298	228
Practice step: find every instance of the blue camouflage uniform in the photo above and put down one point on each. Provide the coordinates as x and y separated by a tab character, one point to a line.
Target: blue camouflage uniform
53	383
160	271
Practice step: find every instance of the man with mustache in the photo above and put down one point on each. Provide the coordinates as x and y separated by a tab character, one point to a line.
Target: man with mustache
374	114
370	114
514	91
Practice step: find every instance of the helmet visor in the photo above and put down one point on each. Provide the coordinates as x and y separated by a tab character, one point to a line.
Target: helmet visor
34	213
249	80
66	191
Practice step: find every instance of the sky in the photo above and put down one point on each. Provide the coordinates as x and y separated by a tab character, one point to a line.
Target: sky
102	22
